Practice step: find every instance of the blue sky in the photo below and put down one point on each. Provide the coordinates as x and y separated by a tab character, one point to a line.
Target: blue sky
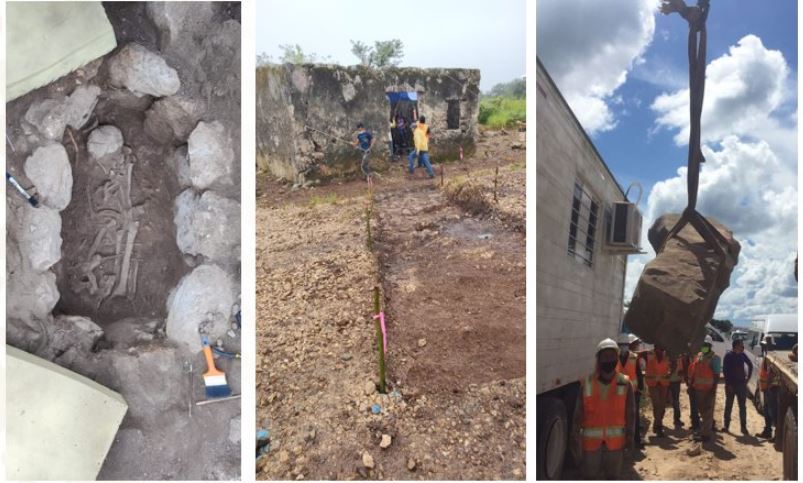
623	68
626	149
439	33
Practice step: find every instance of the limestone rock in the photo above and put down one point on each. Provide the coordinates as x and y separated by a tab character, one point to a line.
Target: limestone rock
143	72
104	141
141	378
50	171
367	460
39	236
208	225
30	294
172	119
178	20
71	332
211	153
200	303
386	440
80	105
678	291
179	160
47	117
50	116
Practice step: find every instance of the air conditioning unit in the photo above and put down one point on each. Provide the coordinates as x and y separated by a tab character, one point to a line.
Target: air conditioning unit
624	230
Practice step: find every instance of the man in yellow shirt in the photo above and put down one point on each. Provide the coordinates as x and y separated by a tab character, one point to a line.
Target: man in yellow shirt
421	140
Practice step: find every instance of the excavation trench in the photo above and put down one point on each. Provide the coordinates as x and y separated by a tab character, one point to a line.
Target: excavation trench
454	286
133	251
120	257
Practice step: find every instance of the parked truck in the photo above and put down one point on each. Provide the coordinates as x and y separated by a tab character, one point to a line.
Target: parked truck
585	227
786	430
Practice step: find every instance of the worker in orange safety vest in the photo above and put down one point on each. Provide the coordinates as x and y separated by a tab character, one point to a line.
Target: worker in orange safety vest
703	378
630	365
656	376
604	425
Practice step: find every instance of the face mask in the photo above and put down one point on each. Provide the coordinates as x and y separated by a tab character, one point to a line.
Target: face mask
704	349
607	367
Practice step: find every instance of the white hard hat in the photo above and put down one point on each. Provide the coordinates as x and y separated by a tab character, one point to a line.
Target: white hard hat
623	339
632	338
708	340
607	344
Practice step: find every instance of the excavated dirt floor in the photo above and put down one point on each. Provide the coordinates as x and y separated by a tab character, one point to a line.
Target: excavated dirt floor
453	285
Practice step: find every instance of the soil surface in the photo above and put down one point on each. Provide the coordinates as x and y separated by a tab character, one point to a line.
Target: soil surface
452	284
730	456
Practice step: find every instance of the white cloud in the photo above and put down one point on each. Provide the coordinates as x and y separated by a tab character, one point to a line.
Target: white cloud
742	88
588	47
749	179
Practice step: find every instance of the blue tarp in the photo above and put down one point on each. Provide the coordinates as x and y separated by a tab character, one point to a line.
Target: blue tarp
402	96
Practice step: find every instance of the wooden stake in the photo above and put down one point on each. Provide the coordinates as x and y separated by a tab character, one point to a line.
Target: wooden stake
496	182
380	346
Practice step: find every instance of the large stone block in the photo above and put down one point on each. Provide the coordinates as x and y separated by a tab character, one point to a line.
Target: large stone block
211	153
678	291
143	72
39	236
50	171
208	225
200	304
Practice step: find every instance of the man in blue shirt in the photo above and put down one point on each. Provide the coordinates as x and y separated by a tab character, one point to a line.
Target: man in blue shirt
736	382
364	142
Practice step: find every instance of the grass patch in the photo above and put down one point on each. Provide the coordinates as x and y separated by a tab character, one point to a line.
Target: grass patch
500	112
323	200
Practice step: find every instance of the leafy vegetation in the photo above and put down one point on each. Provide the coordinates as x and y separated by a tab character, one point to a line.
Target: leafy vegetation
504	105
292	54
382	54
499	112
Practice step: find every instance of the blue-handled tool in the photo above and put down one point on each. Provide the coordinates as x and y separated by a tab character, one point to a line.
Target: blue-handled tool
29	198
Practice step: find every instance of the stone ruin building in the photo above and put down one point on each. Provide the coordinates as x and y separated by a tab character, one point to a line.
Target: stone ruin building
306	115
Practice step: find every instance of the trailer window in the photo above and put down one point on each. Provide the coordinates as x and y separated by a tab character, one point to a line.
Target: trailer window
583	225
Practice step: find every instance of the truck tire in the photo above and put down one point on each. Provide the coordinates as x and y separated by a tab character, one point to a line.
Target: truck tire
790	446
553	437
758	402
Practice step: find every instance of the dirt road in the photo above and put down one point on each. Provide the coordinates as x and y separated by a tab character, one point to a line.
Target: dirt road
732	456
453	292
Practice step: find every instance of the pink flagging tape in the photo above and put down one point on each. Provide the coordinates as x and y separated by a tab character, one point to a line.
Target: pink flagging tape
381	317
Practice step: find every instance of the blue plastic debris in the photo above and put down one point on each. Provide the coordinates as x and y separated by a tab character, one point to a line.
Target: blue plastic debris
376	409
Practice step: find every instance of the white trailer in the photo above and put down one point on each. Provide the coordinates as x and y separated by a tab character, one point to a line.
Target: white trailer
584	230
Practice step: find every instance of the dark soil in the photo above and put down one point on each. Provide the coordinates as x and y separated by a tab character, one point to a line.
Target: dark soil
153	187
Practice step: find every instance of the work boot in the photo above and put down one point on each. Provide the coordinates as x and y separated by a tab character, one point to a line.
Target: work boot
678	424
659	431
767	433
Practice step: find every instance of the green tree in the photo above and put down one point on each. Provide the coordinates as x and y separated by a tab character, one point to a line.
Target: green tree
517	88
387	52
361	51
264	59
382	54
